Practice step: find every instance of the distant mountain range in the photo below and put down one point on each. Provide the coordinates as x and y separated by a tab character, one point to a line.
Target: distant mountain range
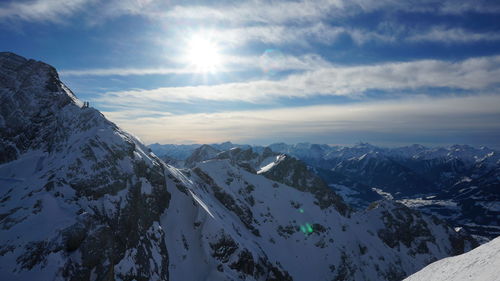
460	183
81	199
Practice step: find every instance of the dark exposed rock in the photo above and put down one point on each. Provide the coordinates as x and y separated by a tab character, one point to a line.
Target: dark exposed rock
295	173
224	248
43	115
241	210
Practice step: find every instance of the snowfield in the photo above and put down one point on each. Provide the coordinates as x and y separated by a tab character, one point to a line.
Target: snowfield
480	264
81	199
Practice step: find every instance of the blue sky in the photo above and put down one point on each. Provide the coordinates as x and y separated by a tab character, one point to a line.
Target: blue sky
338	72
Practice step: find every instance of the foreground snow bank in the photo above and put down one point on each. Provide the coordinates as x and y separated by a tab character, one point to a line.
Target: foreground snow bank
480	264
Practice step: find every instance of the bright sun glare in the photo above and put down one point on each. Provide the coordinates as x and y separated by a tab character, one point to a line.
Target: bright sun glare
203	54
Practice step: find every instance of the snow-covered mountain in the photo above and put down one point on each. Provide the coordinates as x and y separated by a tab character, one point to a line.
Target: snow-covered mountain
178	152
314	240
480	264
183	151
81	199
459	183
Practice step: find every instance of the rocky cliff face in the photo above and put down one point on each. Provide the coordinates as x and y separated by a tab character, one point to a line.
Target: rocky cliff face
80	199
456	183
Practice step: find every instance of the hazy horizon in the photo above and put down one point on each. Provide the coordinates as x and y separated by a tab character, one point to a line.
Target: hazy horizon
395	145
384	72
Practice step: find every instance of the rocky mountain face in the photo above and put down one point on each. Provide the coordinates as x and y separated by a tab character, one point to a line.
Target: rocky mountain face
459	184
181	152
80	199
313	240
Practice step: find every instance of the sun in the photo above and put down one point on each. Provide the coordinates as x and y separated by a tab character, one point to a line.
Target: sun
203	54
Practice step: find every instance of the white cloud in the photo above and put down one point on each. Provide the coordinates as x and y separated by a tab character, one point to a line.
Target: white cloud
122	71
474	74
298	35
238	12
283	12
276	12
271	60
419	115
477	6
41	10
453	35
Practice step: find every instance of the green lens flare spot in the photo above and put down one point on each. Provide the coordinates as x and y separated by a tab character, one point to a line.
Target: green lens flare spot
303	229
301	210
309	228
306	229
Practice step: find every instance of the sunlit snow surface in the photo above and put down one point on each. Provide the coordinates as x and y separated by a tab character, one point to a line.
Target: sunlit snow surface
266	167
216	221
480	264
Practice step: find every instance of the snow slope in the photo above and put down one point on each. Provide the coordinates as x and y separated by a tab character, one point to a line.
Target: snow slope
457	183
385	243
480	264
80	199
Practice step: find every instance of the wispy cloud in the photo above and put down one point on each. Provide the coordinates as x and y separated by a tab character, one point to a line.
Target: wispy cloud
326	34
123	71
463	6
271	60
421	115
41	10
472	74
280	12
276	12
453	35
238	12
298	35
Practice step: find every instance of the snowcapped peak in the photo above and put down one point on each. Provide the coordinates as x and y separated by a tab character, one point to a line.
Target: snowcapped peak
39	110
105	208
10	59
268	166
72	161
225	146
362	156
34	82
461	147
364	145
202	153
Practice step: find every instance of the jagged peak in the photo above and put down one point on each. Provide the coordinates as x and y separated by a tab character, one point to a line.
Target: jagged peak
206	147
12	61
12	57
202	153
32	79
364	145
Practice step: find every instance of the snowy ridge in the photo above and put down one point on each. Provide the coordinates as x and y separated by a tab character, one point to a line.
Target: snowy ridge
81	199
480	264
457	183
267	167
83	180
269	215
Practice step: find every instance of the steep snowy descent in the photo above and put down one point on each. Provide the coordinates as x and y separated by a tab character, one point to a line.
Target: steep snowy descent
480	264
231	182
80	199
310	242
